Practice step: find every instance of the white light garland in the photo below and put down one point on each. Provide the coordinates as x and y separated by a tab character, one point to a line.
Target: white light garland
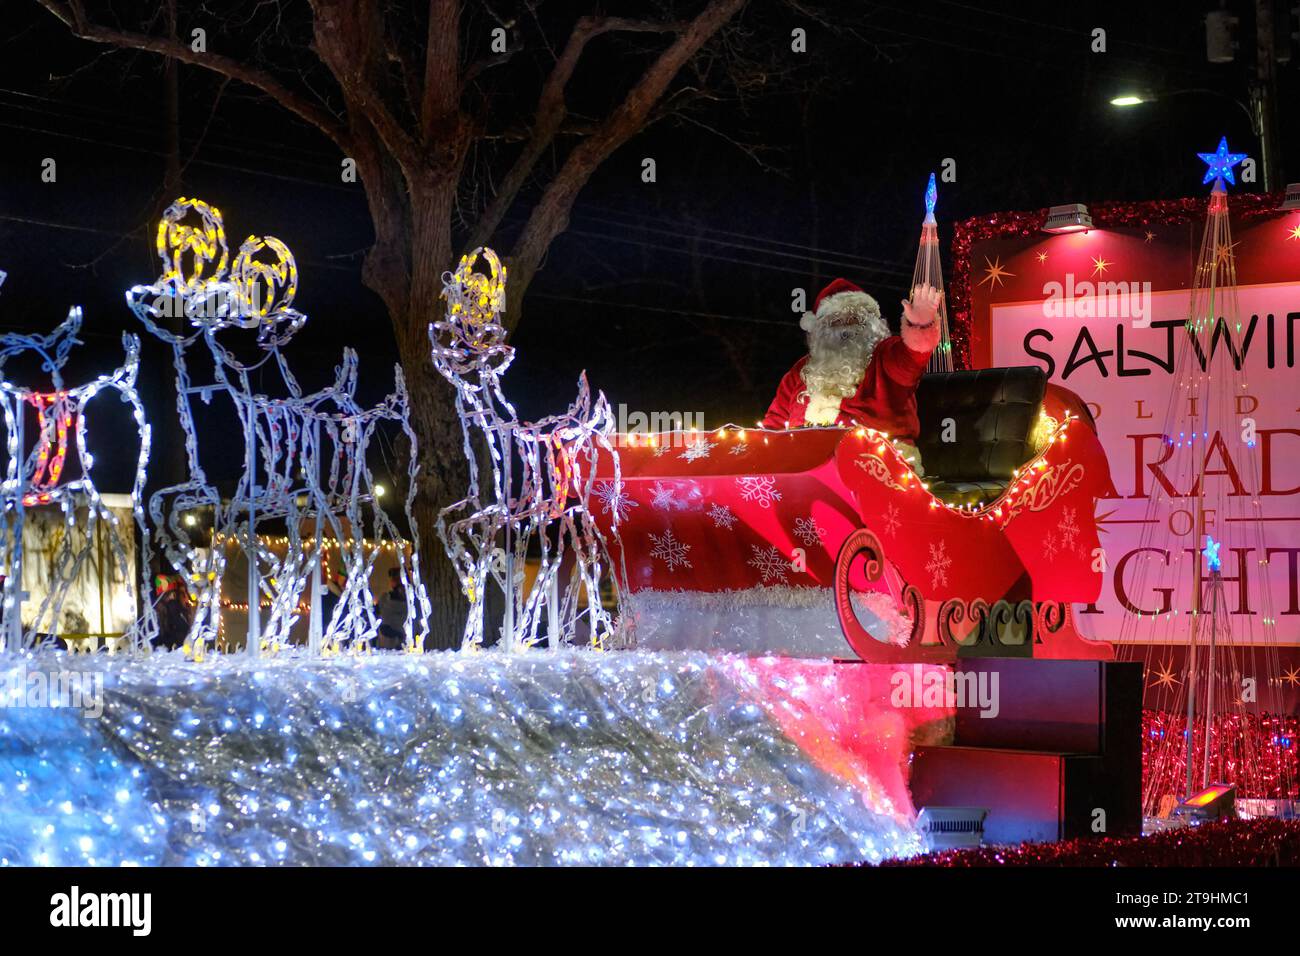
883	445
304	454
488	534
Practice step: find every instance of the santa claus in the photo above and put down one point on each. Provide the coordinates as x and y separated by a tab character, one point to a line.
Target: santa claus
855	372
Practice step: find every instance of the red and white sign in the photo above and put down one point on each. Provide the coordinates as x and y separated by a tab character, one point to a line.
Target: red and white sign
1104	313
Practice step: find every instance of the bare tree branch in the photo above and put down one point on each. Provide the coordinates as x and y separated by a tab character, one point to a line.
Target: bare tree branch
551	112
73	14
349	41
441	66
551	214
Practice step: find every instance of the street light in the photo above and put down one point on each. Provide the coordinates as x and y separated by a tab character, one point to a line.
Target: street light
1126	99
1131	99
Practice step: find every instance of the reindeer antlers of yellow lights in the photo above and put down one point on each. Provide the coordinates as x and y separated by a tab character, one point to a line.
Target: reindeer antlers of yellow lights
478	298
206	243
280	277
203	247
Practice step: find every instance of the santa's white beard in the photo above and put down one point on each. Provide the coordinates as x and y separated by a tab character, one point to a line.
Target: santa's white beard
837	359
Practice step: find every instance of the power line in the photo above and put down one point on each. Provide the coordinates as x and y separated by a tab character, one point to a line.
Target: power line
771	267
138	234
863	264
679	313
598	303
120	118
1004	53
209	141
1062	29
198	162
842	260
635	216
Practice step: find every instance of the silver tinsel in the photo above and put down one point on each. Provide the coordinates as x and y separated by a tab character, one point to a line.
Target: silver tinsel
540	758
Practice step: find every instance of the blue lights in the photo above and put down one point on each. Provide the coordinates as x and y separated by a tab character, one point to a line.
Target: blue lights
1220	164
1211	553
931	197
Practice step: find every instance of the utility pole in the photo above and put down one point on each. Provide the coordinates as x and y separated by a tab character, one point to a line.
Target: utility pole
169	448
1263	94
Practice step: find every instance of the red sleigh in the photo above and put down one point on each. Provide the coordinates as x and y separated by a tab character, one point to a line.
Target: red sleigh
987	551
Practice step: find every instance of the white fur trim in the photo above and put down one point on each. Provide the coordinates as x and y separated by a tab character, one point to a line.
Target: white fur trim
845	301
807	321
920	338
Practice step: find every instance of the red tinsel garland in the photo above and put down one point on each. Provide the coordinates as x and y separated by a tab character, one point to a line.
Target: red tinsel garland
1105	215
1262	842
1256	752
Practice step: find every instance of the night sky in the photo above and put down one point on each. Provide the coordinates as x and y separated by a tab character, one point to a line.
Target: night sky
673	295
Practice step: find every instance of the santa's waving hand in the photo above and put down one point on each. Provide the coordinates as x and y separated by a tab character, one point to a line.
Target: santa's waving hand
855	372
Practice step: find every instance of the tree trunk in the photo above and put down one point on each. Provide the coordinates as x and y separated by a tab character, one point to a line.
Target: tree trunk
444	473
443	479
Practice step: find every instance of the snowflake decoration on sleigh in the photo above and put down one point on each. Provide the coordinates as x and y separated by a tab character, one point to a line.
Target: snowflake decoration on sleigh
614	499
760	489
808	531
770	564
666	548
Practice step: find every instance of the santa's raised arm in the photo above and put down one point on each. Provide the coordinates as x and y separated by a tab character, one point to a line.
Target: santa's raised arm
855	372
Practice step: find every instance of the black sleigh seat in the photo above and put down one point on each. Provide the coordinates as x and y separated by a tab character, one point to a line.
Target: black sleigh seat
993	412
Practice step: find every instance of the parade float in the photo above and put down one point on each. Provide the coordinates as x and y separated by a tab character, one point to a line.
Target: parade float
828	642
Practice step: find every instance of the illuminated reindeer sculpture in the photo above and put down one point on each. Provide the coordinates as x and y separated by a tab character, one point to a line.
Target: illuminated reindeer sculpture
551	462
304	454
35	477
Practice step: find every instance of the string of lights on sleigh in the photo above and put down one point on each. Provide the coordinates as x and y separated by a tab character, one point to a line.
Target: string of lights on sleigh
1030	482
35	478
489	540
200	284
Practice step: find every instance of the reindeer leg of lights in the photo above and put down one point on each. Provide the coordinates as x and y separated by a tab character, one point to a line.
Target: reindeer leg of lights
418	606
34	480
470	552
194	259
577	440
469	350
339	506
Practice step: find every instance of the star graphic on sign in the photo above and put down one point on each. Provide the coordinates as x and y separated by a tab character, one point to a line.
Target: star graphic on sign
1292	676
1220	163
1295	232
1101	520
1150	235
1100	265
996	273
1042	257
1164	676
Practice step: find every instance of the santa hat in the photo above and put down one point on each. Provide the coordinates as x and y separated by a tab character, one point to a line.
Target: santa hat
838	297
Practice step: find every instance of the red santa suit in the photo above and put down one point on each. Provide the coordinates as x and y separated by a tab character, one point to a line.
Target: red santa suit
885	394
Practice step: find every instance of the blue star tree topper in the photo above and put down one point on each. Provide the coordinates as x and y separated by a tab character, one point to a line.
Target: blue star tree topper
1211	553
931	197
1220	162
